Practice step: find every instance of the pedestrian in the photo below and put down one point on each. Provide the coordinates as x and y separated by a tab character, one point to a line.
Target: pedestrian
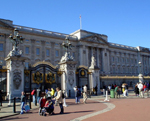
136	90
58	98
77	96
33	93
42	102
104	90
38	94
22	102
109	88
84	94
48	94
116	91
1	99
52	92
140	86
96	90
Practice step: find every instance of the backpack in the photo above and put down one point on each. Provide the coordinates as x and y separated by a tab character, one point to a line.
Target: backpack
63	96
32	93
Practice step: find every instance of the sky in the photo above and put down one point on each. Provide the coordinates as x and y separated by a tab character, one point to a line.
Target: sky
125	22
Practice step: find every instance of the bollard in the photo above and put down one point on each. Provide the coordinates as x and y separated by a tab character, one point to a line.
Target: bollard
106	99
69	93
30	101
14	105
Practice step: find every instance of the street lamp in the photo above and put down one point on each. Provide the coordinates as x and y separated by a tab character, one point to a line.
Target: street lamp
16	39
140	74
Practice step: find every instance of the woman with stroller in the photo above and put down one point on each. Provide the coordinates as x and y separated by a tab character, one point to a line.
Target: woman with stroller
48	108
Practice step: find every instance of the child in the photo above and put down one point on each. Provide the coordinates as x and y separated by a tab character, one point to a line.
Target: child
42	102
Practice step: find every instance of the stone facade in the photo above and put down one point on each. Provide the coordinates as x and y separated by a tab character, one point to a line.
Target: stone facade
111	59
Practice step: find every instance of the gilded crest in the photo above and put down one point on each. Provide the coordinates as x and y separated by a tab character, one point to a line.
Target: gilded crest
37	77
50	77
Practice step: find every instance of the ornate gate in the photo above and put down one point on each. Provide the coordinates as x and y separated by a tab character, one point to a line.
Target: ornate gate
43	75
82	76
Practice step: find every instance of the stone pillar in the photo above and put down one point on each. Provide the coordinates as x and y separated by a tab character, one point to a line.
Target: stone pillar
81	54
94	76
97	62
68	78
15	76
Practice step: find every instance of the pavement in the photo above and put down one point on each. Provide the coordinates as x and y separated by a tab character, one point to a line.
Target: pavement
96	109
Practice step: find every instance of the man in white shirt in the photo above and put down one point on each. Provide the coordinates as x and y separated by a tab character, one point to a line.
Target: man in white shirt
140	86
84	94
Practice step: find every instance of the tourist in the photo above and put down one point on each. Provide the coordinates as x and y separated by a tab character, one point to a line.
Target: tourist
116	91
145	88
38	94
1	99
33	93
104	90
140	86
58	98
96	90
136	90
84	94
22	102
52	92
42	102
109	88
48	94
77	96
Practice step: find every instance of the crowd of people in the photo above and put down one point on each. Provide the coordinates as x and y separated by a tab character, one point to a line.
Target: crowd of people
140	89
45	100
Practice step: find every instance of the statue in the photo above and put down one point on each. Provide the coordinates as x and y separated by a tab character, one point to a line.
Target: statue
93	62
68	46
16	40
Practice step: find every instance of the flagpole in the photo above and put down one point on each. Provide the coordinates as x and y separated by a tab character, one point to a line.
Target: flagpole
80	23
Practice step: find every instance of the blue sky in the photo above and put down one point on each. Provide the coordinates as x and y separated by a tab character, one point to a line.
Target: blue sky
125	22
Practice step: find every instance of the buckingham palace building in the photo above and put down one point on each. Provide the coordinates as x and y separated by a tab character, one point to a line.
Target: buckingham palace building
114	63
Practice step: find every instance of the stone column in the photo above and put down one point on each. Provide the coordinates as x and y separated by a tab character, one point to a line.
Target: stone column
68	78
94	76
80	54
87	60
15	76
97	62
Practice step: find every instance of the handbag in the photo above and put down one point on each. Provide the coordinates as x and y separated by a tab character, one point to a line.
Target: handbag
27	108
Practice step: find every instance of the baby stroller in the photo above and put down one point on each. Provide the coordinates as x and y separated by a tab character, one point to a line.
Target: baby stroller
48	108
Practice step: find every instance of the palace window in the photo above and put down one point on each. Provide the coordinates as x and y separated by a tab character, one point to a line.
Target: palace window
113	59
27	40
37	51
57	53
47	52
26	65
1	47
27	50
73	54
56	44
37	41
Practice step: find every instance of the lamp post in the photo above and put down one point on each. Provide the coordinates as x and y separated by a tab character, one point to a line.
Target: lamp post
140	73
